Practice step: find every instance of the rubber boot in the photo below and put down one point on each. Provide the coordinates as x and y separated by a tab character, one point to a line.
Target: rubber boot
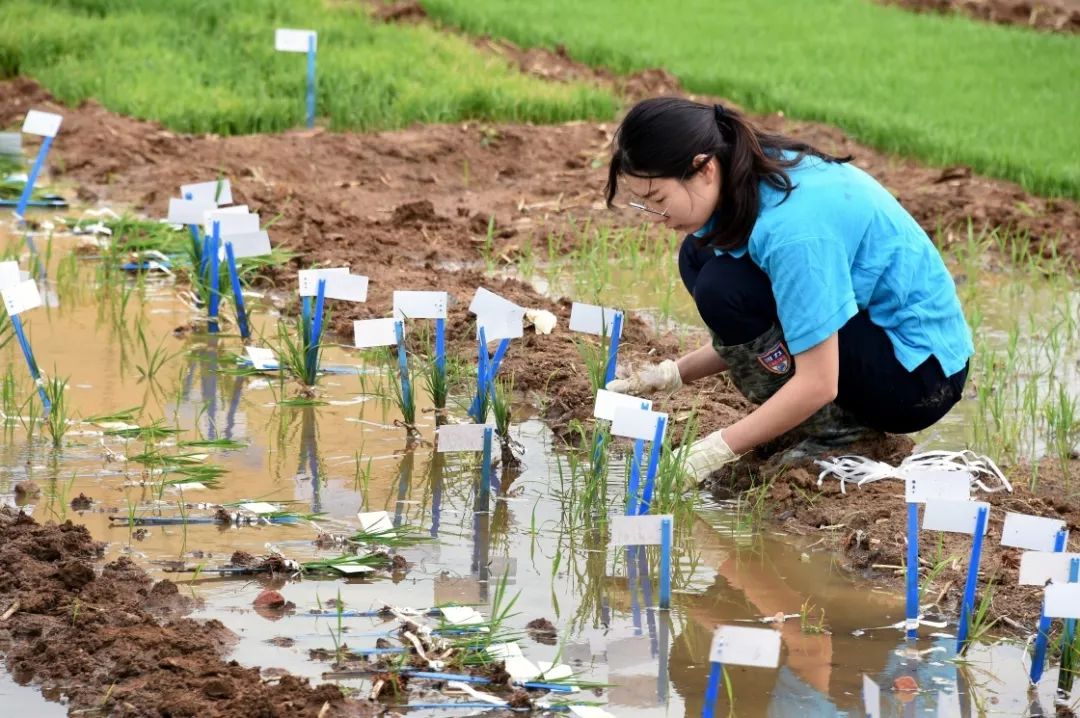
761	366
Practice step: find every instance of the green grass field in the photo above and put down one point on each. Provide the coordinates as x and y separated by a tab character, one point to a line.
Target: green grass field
203	66
1003	100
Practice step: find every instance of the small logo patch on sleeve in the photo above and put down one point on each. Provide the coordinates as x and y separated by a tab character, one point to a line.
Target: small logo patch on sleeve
776	359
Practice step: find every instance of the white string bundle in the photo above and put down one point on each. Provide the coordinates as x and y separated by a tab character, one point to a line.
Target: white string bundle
859	470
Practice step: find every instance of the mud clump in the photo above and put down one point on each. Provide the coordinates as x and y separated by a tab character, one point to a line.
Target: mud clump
26	491
243	559
542	630
82	502
1048	15
414	213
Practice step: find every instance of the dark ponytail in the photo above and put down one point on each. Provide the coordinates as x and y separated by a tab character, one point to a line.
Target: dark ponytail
660	137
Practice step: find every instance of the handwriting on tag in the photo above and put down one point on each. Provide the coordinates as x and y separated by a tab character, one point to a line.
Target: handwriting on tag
1037	568
638	530
461	437
290	40
937	485
609	402
368	333
954	516
638	423
744	646
216	192
1033	533
46	124
21	297
593	319
420	305
339	284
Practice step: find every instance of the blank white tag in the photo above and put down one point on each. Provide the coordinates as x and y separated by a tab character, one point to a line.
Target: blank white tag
932	485
637	423
486	301
41	123
369	333
188	211
460	437
231	221
521	669
1063	600
1033	533
259	507
871	694
742	646
11	145
953	516
638	530
420	305
592	319
609	402
1037	568
461	615
346	287
375	522
503	651
21	297
351	569
286	40
208	192
554	671
9	274
256	244
188	486
498	326
261	357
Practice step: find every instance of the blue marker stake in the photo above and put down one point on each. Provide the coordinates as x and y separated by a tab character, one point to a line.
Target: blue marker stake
712	690
1038	660
1065	677
311	81
238	296
634	484
28	188
440	347
481	376
28	354
485	469
196	242
491	369
215	277
613	348
403	363
665	564
912	571
972	578
315	333
654	466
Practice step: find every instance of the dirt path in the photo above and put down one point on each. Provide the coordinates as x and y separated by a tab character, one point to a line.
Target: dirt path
1046	15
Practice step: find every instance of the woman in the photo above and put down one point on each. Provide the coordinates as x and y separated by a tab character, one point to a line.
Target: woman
827	303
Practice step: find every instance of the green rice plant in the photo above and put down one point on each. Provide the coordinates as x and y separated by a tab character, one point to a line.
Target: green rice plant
56	421
809	623
405	403
979	621
595	358
1069	661
152	359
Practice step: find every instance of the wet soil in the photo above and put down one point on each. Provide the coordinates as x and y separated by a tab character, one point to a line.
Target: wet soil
1046	15
116	642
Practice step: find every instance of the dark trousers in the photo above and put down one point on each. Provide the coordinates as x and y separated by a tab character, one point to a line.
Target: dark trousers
735	300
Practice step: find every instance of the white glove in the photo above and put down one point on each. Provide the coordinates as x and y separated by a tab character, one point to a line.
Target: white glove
542	320
707	455
664	376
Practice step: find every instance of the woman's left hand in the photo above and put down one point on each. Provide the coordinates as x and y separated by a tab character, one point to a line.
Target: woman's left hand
707	455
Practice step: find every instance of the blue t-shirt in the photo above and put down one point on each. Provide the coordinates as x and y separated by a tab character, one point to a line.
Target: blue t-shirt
841	243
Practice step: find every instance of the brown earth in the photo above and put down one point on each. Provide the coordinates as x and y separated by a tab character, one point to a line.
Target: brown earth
116	643
1047	15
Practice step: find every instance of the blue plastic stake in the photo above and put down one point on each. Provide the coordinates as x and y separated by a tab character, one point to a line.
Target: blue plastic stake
194	229
613	348
1038	660
440	347
311	80
665	564
491	365
28	354
403	363
485	469
712	690
912	571
481	374
238	295
28	188
215	277
634	484
654	466
315	332
972	578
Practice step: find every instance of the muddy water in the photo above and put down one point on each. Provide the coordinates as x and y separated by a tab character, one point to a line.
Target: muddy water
654	662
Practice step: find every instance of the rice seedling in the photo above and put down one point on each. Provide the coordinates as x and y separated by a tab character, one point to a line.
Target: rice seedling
437	383
808	623
56	421
402	394
152	359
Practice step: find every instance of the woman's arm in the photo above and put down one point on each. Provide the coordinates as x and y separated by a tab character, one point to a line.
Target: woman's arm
817	373
700	363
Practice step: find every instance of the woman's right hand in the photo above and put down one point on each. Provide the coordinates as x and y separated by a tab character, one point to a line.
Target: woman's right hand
664	376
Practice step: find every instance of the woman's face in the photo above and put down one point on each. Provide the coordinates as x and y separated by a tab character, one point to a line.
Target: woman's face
682	205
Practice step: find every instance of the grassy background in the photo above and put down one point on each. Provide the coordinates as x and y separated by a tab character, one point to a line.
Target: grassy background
1003	100
210	66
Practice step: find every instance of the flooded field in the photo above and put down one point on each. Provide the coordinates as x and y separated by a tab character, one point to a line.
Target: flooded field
534	551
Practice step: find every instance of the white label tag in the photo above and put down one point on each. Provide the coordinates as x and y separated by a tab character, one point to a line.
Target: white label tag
188	211
1033	533
41	123
309	279
11	145
554	671
420	305
486	301
261	358
638	530
498	326
21	297
1037	568
286	40
188	486
375	522
742	646
521	669
9	274
231	220
461	437
954	516
1063	600
934	485
871	694
339	284
503	651
259	507
351	569
592	319
256	244
461	615
609	402
209	192
637	423
368	333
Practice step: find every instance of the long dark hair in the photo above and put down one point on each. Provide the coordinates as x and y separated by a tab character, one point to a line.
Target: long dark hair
661	136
